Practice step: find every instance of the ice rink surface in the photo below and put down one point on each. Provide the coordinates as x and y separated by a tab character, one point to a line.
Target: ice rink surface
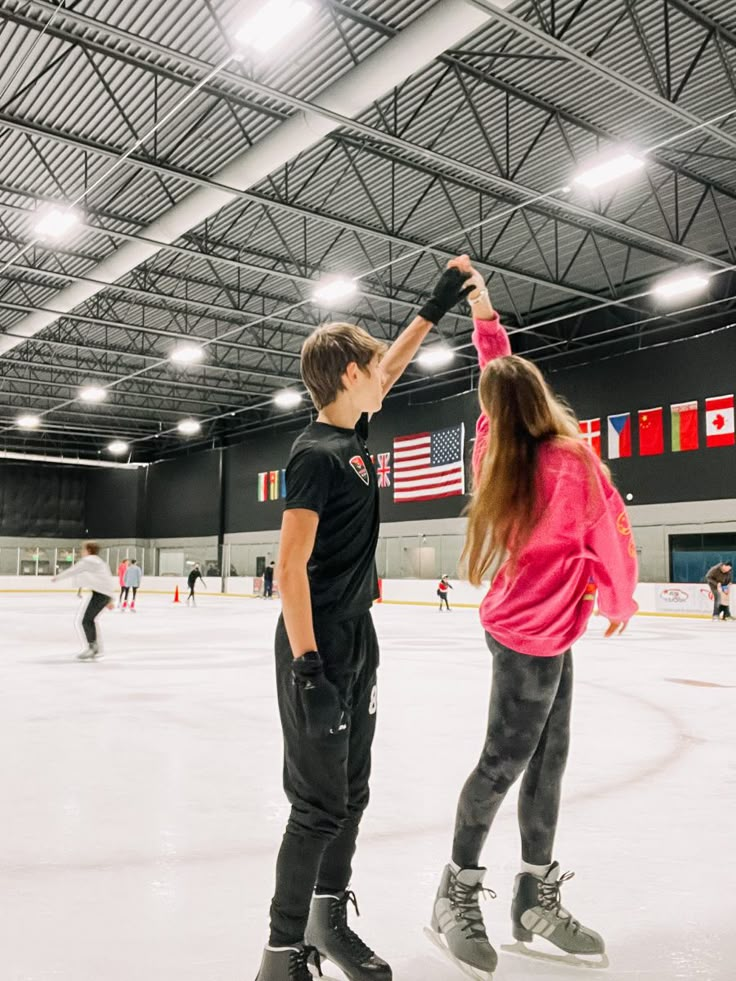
142	809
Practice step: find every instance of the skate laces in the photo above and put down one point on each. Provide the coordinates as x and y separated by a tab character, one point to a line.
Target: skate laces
464	899
299	963
339	919
550	899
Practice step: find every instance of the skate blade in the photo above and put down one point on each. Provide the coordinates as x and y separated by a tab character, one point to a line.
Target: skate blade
467	970
326	977
569	960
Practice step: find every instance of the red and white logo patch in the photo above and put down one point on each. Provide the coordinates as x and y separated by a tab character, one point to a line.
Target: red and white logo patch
356	462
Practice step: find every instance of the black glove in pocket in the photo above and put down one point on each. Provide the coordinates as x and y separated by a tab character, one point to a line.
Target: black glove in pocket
319	698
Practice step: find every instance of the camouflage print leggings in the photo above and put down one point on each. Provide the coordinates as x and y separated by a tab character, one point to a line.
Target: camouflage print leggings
529	733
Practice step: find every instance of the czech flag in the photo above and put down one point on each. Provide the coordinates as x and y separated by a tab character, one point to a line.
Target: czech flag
619	436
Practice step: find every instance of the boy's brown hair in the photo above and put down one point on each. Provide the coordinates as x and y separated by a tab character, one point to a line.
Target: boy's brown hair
328	351
92	547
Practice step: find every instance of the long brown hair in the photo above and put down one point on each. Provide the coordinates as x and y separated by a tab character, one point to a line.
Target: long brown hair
524	414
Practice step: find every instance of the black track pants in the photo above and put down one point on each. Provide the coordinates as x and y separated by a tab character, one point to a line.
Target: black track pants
326	780
95	605
529	733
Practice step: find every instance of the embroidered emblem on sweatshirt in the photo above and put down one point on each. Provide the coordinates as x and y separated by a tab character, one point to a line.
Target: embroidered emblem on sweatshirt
356	462
622	524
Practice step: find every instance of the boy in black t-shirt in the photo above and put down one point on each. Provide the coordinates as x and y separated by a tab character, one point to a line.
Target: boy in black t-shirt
326	646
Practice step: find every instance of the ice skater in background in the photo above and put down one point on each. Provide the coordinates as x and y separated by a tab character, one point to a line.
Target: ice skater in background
543	520
132	579
442	590
724	602
268	581
122	567
194	575
93	573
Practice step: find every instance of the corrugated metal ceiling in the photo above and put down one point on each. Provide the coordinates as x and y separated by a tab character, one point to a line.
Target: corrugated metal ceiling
462	141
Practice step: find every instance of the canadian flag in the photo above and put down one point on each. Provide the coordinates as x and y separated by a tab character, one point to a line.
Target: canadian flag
719	421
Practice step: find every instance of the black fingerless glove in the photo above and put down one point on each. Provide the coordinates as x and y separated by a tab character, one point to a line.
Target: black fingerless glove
320	700
447	291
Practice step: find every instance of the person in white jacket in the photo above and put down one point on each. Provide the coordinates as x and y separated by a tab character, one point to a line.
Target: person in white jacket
93	573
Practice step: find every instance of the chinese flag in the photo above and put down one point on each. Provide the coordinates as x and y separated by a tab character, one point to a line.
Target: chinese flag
651	432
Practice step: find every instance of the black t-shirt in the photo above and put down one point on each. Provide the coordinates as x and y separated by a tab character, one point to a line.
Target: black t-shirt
193	576
330	472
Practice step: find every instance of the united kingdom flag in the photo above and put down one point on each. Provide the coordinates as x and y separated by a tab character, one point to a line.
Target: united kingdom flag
384	470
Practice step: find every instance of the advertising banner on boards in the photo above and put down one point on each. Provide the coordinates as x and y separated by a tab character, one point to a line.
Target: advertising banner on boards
680	597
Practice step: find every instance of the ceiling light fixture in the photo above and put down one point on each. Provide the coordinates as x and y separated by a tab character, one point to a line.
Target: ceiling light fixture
609	170
188	427
437	356
275	20
683	284
117	447
187	353
334	289
288	399
55	223
93	393
28	421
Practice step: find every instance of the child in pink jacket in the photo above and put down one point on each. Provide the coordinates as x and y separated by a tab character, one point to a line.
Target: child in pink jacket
549	529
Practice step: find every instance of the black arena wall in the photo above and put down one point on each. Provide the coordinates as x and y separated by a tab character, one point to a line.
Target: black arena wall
42	500
114	508
682	372
181	497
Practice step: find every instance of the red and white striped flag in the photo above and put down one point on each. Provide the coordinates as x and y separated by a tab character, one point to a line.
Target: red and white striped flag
590	430
429	465
719	421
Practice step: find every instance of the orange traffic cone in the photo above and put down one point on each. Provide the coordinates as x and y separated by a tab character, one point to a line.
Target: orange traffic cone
176	595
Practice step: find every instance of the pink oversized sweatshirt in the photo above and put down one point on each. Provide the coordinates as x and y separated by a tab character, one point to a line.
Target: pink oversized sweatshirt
582	541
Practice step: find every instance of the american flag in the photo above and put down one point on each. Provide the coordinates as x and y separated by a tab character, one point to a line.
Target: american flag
384	470
429	465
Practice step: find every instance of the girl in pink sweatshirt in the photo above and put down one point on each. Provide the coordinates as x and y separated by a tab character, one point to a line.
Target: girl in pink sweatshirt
549	529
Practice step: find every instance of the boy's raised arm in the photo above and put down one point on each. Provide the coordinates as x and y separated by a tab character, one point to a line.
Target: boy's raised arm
448	290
